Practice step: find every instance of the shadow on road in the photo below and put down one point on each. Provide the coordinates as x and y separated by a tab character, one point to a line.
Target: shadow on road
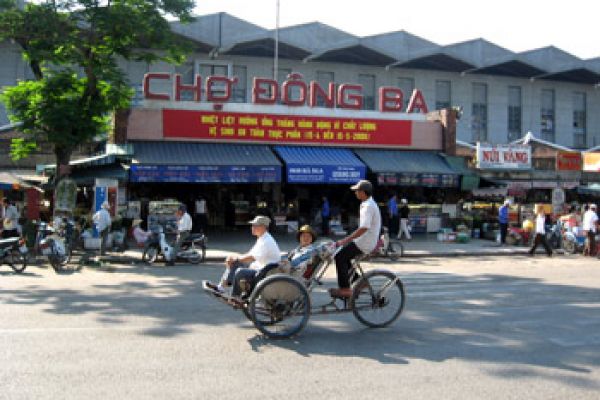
508	324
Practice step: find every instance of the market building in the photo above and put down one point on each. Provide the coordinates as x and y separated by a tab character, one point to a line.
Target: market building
241	127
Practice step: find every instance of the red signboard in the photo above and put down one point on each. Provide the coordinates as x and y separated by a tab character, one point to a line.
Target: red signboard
568	161
275	128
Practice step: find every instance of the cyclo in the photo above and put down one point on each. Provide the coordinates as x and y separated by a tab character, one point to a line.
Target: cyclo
279	303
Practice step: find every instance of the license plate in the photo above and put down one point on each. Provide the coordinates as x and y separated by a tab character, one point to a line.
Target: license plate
23	249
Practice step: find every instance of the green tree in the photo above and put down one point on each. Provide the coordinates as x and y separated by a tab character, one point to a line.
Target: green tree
73	48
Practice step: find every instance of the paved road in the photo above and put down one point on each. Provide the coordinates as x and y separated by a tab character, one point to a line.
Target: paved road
492	327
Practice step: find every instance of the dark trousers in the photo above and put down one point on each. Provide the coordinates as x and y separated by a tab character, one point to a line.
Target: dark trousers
503	231
324	226
393	224
238	272
200	223
343	263
590	244
540	238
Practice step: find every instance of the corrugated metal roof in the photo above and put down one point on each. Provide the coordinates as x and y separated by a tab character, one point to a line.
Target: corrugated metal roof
185	153
391	161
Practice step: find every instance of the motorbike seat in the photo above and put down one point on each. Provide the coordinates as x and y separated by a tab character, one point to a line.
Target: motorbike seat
4	243
195	236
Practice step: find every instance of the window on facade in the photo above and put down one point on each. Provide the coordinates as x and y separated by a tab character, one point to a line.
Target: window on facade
579	120
407	85
206	70
547	115
479	111
442	94
515	113
186	70
368	85
546	164
323	79
239	89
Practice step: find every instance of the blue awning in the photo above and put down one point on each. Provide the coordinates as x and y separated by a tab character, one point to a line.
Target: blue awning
321	165
409	168
203	163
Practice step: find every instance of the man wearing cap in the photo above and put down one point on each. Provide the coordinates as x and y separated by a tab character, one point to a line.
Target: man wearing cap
362	241
184	227
246	266
503	221
590	220
103	222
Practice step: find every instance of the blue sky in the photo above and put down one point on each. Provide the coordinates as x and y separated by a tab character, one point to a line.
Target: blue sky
517	25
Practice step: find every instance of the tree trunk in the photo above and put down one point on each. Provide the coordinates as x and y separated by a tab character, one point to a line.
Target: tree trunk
63	156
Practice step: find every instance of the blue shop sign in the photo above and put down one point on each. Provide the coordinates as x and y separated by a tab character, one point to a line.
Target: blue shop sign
324	174
205	174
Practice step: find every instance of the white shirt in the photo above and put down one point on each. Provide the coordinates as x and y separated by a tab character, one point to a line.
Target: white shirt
184	223
370	218
201	206
11	216
265	251
102	219
540	224
589	221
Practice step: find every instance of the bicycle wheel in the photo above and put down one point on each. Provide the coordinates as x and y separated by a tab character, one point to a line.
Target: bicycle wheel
279	306
150	254
17	260
378	299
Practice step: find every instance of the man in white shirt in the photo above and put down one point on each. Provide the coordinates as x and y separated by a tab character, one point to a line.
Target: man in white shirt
201	214
590	220
11	217
362	241
103	222
255	262
184	227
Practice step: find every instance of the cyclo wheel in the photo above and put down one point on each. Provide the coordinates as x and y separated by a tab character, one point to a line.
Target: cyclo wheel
378	298
279	306
569	246
17	261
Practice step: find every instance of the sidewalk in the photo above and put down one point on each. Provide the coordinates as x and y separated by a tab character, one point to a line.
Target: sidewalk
222	244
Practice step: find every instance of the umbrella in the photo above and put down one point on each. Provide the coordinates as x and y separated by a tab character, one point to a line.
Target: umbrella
9	181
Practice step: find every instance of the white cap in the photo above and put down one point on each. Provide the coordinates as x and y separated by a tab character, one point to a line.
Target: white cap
403	201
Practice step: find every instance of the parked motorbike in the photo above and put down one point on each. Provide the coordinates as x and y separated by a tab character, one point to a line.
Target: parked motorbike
13	252
193	249
554	235
572	243
518	236
389	249
56	244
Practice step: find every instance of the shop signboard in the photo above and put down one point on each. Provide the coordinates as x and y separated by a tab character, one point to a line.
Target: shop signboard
204	174
425	180
591	162
324	174
285	129
568	161
505	157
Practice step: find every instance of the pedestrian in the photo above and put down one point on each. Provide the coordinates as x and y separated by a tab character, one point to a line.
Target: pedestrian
248	266
404	226
393	220
590	220
184	227
103	222
201	214
362	241
10	220
540	231
503	221
325	216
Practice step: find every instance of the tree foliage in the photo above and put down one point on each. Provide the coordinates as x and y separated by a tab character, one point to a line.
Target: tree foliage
73	48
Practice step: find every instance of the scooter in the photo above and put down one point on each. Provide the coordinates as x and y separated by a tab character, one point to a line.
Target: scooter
13	252
572	243
193	249
388	249
56	245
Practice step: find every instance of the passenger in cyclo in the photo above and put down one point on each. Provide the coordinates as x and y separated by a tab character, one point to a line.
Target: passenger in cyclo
362	241
264	254
305	256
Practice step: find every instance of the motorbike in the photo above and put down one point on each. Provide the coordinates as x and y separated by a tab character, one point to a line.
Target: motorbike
572	243
55	243
193	249
387	248
13	252
518	236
